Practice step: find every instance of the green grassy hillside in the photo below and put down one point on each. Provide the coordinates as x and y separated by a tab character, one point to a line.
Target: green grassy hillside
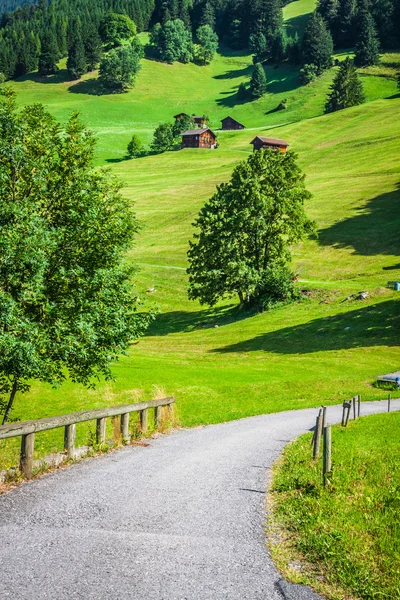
219	364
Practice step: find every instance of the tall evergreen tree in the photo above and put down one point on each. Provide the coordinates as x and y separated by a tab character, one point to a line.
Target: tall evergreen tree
76	63
93	46
208	15
49	54
317	46
346	89
258	46
367	46
258	82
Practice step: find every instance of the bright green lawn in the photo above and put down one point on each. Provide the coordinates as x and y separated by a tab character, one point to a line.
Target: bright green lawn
347	537
221	365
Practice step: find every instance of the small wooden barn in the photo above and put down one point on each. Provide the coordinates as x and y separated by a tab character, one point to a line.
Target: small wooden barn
265	142
196	138
230	123
180	116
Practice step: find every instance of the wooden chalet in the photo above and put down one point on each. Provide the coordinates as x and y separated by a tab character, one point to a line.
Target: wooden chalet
180	116
265	142
230	123
198	138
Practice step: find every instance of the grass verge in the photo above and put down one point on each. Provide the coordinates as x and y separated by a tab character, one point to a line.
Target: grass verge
344	541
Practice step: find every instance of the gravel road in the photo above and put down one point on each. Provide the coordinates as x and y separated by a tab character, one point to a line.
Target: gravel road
181	519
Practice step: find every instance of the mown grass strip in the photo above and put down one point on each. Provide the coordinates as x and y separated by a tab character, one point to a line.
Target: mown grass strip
343	540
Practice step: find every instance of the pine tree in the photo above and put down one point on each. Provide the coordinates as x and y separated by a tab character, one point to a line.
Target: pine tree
258	46
346	89
49	54
317	44
258	82
367	46
208	15
76	63
93	46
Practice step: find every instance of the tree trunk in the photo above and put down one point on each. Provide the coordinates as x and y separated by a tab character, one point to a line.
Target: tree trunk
11	400
241	299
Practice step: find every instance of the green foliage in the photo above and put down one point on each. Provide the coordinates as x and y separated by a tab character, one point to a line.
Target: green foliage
182	124
76	63
135	147
245	232
116	28
93	47
172	41
163	138
258	46
367	46
49	54
349	531
208	15
308	74
67	307
258	82
119	68
317	46
346	89
208	44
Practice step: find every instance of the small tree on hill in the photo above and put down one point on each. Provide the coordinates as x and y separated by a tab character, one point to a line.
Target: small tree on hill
258	46
182	124
76	63
367	45
93	47
245	232
208	44
67	305
135	147
119	68
116	28
346	89
172	41
49	54
258	82
317	46
163	138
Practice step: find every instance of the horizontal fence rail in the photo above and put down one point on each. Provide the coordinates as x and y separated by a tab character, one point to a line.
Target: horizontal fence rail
27	429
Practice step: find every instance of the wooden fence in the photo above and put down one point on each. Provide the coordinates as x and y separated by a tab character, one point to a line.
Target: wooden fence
28	429
322	432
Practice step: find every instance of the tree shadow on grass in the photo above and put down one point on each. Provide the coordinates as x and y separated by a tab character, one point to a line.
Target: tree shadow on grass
185	321
374	230
373	325
297	24
234	73
232	100
61	76
92	87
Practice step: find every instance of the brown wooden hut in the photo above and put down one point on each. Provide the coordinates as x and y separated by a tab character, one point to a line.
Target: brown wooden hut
180	116
265	142
230	123
198	138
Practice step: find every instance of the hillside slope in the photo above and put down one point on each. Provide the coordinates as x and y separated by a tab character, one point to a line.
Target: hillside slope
219	364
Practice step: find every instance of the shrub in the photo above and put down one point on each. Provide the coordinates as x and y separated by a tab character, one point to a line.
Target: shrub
308	74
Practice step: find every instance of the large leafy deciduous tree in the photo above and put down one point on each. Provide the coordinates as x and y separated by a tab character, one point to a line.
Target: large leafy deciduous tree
346	89
208	44
67	304
116	28
246	229
118	68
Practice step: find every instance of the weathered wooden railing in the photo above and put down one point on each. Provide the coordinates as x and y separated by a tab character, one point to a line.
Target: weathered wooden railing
27	429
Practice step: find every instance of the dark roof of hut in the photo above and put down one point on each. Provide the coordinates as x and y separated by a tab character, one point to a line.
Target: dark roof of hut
270	141
232	119
197	132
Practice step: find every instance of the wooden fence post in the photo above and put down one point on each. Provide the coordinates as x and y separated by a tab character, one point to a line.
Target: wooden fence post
389	397
318	432
157	416
327	461
27	448
323	417
315	429
347	414
101	430
144	420
125	428
354	407
343	413
359	404
69	440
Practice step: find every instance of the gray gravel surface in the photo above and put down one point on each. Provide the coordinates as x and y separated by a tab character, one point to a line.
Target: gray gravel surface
181	519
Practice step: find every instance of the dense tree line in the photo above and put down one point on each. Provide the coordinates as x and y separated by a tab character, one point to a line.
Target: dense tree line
37	36
190	29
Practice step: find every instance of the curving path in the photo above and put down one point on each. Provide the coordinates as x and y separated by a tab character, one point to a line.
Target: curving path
181	519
